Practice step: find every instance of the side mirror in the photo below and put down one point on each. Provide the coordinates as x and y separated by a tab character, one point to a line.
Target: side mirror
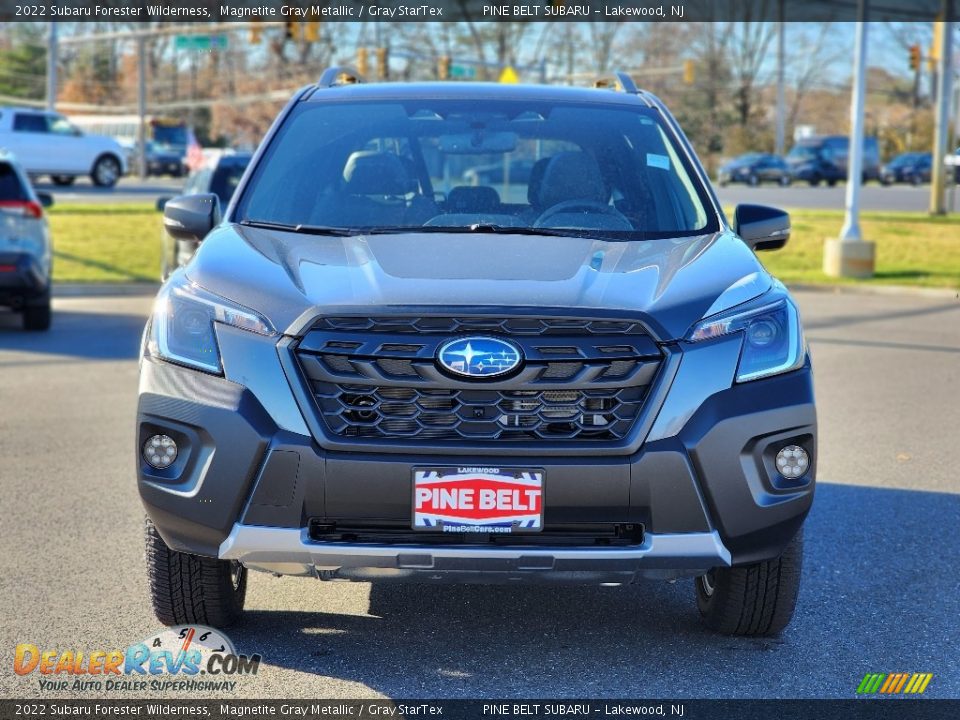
162	202
191	217
46	199
762	227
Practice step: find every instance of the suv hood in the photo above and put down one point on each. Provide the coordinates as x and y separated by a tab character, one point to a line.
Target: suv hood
291	278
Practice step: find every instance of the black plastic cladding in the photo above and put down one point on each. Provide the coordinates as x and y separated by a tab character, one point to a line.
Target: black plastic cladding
584	380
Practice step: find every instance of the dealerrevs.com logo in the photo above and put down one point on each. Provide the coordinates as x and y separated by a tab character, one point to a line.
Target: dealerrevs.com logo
192	658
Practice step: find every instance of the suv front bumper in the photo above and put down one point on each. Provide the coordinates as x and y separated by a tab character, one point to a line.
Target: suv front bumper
250	478
290	552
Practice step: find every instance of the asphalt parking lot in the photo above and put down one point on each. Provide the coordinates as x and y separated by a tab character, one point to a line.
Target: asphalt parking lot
880	590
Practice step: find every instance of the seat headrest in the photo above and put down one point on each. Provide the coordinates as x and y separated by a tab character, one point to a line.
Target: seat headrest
536	181
572	176
370	172
473	199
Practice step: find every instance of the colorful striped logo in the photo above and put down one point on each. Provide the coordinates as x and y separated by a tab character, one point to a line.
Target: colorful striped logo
894	683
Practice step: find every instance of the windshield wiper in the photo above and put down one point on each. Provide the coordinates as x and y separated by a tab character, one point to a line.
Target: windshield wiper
475	228
304	229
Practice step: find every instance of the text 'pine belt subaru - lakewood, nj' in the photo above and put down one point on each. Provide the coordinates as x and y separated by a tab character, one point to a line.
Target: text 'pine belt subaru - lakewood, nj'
383	363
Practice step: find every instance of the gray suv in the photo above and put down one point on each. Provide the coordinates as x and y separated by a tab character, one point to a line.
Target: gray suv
576	373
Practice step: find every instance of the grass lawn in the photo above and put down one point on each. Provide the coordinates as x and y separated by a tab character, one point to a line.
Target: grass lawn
912	248
105	243
121	243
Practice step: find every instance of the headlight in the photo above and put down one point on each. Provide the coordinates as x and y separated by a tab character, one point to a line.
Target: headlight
182	325
773	339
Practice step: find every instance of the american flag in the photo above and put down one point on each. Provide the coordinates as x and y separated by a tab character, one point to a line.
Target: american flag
194	157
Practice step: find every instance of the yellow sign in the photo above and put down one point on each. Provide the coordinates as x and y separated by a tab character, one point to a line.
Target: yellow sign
509	76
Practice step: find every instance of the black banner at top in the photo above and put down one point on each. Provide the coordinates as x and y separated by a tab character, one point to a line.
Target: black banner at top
183	11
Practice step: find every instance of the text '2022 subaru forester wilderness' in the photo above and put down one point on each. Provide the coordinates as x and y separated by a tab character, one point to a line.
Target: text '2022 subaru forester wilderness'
378	368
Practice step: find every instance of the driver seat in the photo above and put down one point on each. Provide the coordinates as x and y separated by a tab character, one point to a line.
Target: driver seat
571	177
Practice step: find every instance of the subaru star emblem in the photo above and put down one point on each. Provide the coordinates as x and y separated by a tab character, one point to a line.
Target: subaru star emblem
479	357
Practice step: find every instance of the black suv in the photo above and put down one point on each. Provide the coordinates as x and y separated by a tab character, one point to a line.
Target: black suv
372	372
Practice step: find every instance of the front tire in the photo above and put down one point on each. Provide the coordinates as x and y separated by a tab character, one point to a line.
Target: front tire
106	171
188	589
756	599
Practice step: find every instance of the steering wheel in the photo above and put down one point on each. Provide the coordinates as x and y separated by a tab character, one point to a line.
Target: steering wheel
580	205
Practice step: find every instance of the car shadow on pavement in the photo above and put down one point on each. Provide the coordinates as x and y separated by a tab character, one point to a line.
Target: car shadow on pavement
87	335
879	595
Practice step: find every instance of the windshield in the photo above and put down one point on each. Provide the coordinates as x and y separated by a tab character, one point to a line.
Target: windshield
906	159
166	136
747	159
803	152
405	165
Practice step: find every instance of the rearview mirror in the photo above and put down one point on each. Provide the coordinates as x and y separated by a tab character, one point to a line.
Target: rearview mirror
191	217
162	202
762	227
46	199
478	142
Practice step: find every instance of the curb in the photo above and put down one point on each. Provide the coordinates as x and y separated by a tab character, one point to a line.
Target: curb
104	289
877	290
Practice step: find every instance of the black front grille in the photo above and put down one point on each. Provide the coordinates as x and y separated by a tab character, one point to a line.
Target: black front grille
363	411
553	534
477	324
377	379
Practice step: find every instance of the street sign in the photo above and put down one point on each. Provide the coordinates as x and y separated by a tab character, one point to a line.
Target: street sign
200	42
509	76
463	71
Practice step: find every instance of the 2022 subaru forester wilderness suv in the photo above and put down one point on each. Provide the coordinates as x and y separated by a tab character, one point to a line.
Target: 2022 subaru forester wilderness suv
372	371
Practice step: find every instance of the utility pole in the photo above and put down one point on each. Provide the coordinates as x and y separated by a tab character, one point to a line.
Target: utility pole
850	255
942	129
142	108
781	102
851	225
51	66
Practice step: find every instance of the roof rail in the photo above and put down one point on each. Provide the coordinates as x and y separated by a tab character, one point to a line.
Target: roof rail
339	75
620	81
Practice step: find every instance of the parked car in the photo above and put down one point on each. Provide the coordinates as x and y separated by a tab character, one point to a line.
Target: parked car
755	168
824	159
25	253
355	378
166	159
219	175
46	143
912	167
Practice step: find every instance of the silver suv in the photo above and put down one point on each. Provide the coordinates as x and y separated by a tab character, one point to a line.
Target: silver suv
575	373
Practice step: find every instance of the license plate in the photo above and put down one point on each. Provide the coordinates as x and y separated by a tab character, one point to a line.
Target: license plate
478	500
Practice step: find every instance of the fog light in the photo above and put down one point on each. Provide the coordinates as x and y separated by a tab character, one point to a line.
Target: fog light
792	461
160	451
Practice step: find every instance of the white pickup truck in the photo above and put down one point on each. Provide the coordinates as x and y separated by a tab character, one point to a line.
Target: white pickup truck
46	143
